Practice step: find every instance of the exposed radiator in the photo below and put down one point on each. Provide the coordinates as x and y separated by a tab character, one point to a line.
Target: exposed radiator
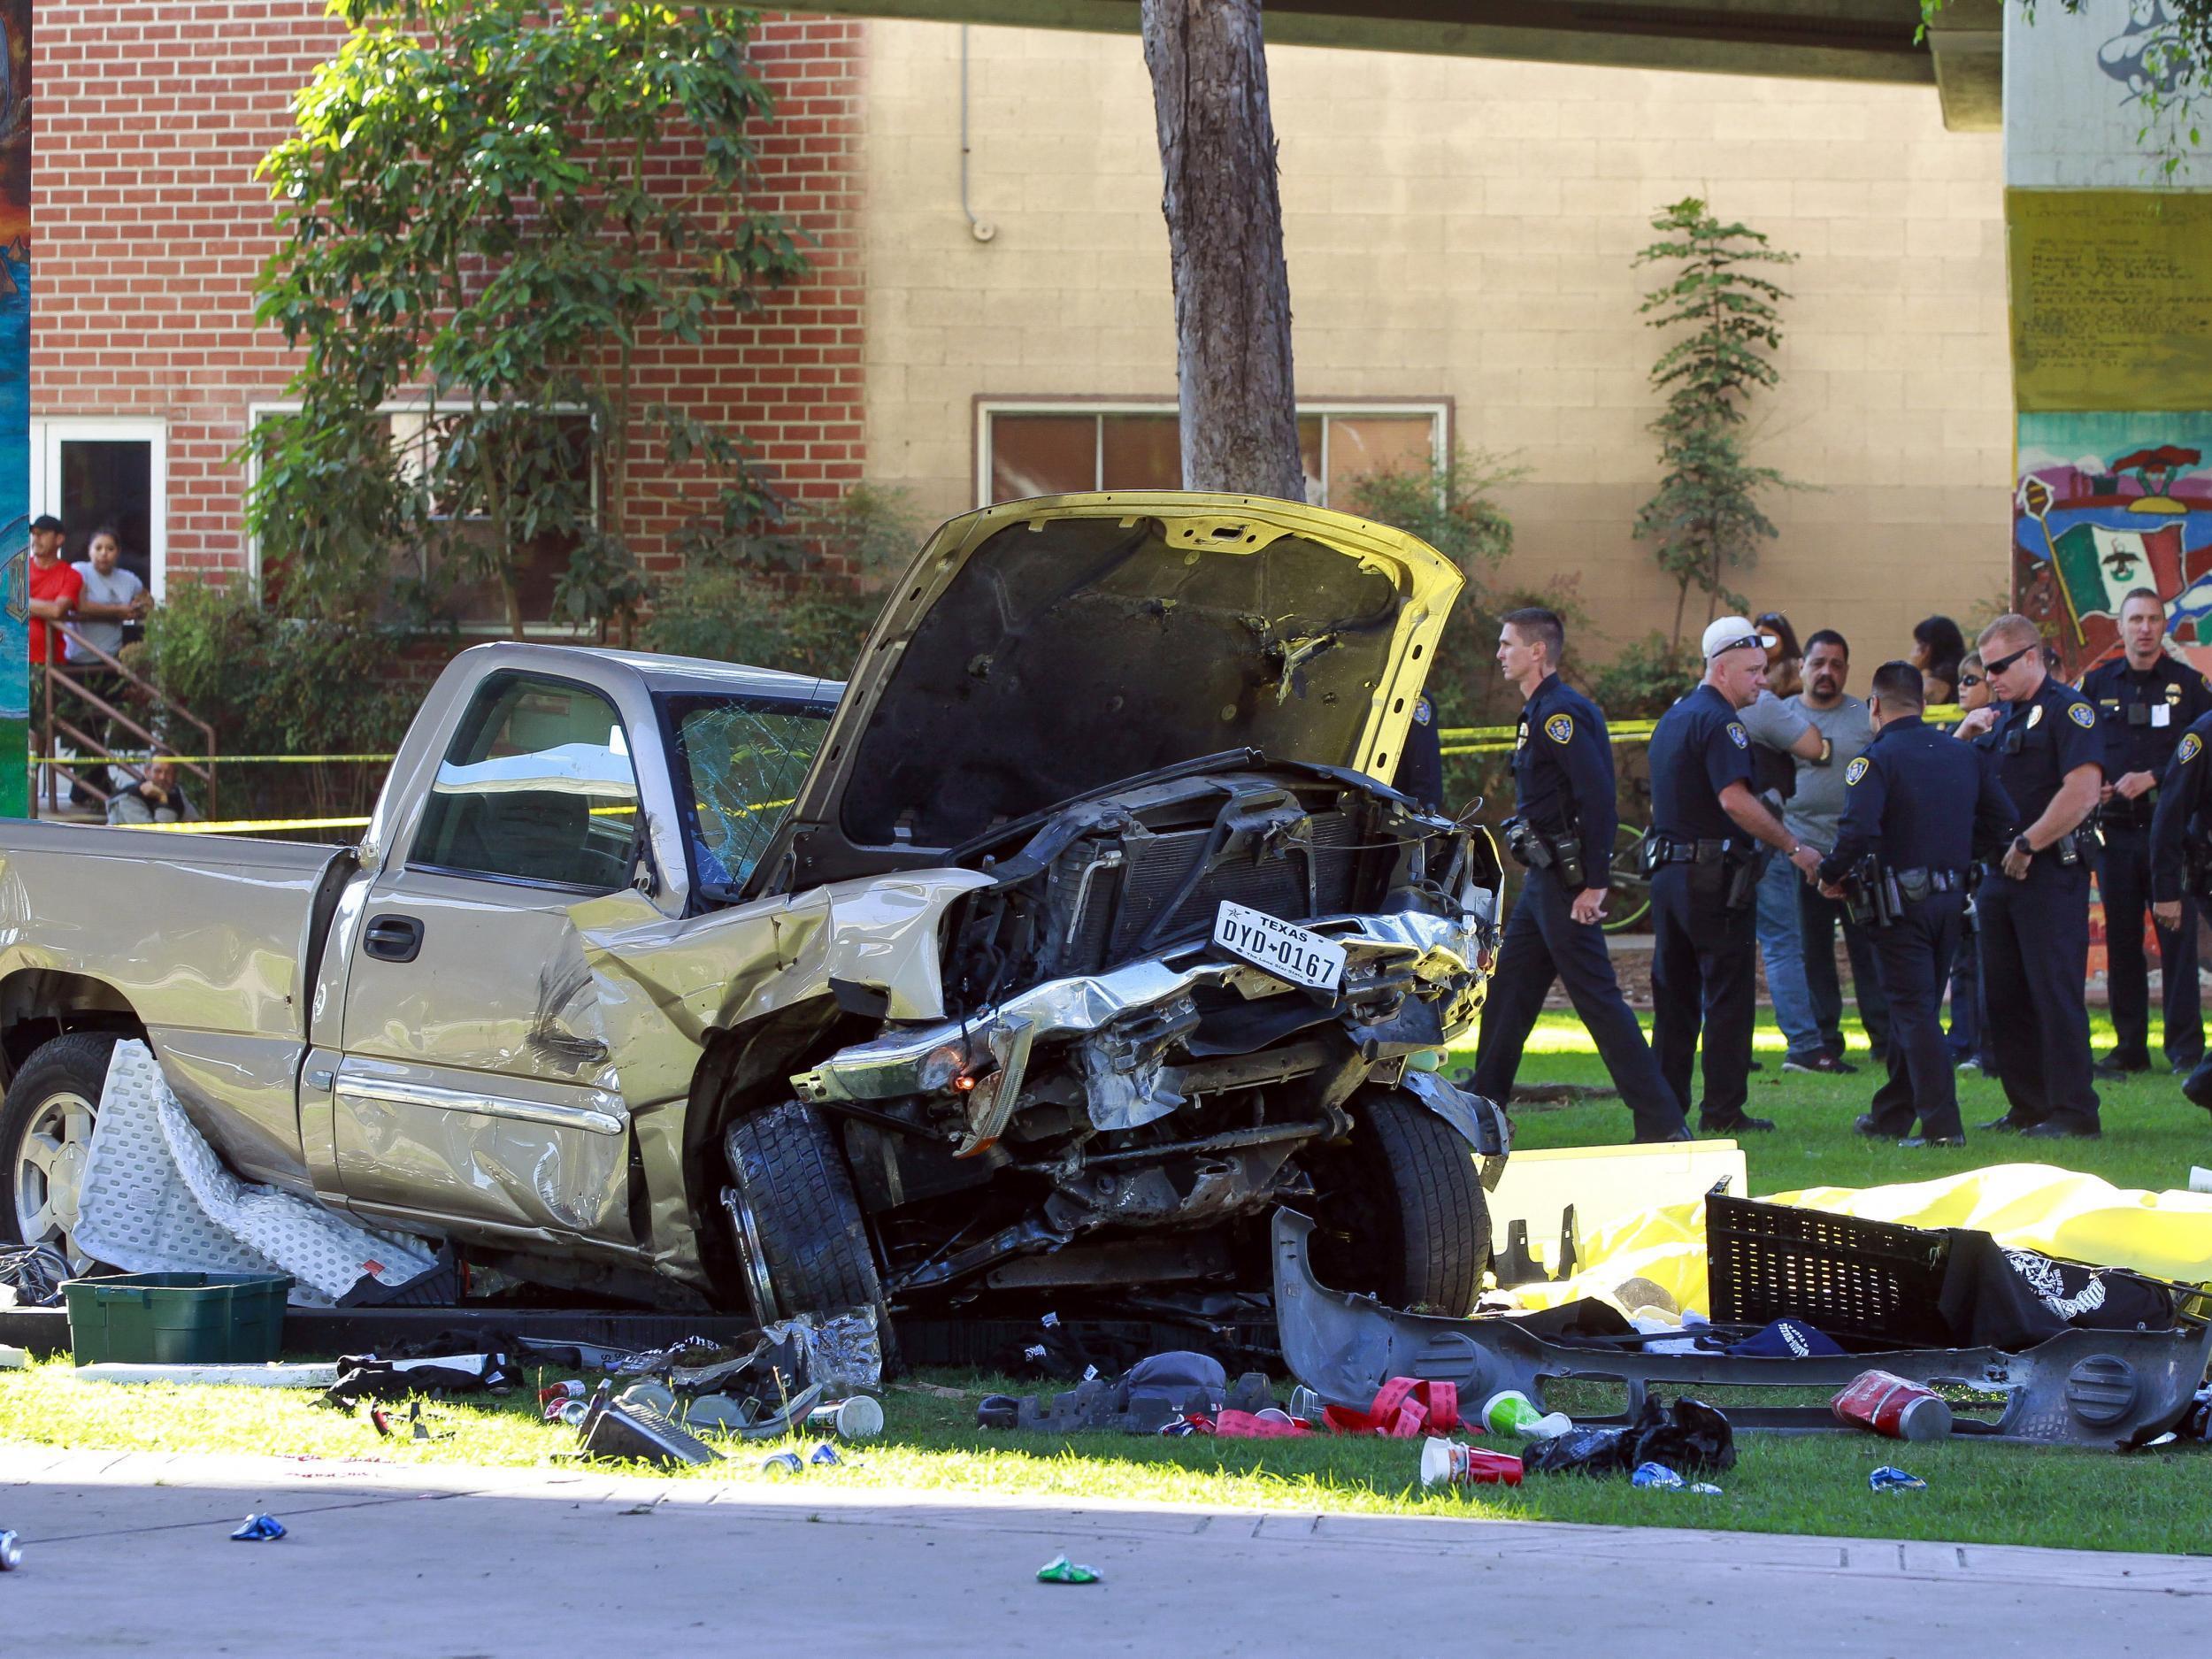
1122	893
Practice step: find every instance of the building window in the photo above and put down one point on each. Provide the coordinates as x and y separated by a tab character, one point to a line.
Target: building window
92	474
473	601
1027	449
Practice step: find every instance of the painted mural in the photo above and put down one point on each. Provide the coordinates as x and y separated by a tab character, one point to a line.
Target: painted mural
15	401
2109	503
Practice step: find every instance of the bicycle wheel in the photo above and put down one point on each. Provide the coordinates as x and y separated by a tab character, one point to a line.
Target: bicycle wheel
1632	888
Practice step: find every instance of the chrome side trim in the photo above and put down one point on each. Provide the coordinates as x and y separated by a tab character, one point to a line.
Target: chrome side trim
608	1119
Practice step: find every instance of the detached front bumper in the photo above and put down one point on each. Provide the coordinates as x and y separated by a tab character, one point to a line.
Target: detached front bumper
1411	981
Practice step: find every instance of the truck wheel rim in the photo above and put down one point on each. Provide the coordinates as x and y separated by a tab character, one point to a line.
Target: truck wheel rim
50	1173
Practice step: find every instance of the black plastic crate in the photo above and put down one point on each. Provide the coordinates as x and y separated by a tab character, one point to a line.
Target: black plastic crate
1863	1283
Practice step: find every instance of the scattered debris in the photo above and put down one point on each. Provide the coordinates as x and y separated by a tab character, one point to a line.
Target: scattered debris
782	1463
10	1552
1060	1570
258	1529
1887	1479
1659	1478
31	1276
826	1455
1401	1409
611	1429
858	1419
1447	1463
1513	1412
1891	1406
269	1374
1689	1435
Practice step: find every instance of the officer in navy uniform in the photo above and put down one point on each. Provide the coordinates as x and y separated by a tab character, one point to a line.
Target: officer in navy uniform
2144	700
1421	762
2181	853
1706	853
2034	908
1562	832
1915	805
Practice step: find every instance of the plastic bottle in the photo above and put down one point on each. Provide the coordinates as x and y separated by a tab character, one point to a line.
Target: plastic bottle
1447	1463
1513	1412
1887	1405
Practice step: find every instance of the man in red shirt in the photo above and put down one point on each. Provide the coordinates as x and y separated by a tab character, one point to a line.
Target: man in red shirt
55	589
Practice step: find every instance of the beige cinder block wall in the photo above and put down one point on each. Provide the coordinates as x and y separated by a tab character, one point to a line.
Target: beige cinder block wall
1463	228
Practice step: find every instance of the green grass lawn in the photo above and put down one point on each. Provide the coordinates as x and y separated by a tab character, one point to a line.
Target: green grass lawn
2156	1501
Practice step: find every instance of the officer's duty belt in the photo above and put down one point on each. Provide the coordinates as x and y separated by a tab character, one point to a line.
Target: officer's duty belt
1918	883
1666	850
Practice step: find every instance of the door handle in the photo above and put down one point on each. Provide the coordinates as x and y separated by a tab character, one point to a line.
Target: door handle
394	939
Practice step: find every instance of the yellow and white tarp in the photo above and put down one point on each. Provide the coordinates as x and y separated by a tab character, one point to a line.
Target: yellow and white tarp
2030	1206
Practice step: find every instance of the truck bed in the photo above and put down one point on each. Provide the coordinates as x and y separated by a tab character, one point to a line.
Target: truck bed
210	940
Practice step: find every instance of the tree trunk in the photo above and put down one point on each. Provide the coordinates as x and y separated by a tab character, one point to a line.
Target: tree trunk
1225	228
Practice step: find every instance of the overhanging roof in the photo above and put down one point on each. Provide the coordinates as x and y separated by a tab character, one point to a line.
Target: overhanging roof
1832	40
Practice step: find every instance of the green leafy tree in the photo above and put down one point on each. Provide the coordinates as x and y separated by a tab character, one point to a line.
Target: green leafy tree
489	210
1705	518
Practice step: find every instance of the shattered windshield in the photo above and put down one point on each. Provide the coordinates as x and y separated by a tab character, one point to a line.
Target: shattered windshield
738	762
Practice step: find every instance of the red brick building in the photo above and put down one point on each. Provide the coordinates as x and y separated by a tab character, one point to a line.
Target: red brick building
150	227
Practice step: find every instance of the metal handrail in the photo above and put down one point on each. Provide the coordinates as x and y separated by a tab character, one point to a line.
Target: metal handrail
53	672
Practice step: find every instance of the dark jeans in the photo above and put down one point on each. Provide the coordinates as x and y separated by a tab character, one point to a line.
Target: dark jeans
1544	942
2123	878
1969	1038
1704	973
1818	919
1912	957
2035	958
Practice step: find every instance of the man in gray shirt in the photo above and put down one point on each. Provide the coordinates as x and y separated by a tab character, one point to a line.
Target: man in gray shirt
1779	733
1815	814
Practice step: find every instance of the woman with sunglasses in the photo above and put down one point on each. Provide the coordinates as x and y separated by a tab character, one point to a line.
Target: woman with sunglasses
1785	663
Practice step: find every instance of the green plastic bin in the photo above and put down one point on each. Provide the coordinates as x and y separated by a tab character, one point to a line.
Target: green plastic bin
177	1318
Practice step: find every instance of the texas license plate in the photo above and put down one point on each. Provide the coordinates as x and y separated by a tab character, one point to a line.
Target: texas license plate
1289	952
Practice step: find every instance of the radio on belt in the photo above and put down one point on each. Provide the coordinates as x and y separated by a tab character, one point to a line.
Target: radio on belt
1297	954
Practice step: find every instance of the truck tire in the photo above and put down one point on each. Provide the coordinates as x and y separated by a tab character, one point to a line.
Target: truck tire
801	1240
1403	1215
45	1133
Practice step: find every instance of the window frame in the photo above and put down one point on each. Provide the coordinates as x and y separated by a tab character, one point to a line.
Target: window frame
49	432
260	408
1441	411
483	688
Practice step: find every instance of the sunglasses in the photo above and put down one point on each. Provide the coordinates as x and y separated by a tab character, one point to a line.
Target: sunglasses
1995	665
1967	682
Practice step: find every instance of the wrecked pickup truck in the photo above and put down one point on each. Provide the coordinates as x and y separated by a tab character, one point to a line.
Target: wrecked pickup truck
1055	948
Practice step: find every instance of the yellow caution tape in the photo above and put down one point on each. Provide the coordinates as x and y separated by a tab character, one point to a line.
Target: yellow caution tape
252	826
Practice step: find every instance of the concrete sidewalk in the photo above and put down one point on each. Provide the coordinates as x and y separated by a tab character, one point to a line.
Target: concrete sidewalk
130	1553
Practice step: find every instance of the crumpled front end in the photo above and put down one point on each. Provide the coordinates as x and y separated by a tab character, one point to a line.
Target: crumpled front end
1076	1092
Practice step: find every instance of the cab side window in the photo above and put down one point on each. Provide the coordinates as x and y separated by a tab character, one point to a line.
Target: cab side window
538	787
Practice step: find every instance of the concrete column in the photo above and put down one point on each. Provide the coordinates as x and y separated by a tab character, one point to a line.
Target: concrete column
2109	262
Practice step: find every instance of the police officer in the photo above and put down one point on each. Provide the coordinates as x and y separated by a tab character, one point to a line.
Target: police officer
2144	700
2181	854
1706	857
1915	806
1562	832
2034	907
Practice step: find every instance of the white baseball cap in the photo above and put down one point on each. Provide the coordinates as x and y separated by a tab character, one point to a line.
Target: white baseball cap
1730	634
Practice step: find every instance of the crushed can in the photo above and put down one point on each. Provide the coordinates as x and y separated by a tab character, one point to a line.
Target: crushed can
782	1463
1446	1463
1886	1404
1887	1479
